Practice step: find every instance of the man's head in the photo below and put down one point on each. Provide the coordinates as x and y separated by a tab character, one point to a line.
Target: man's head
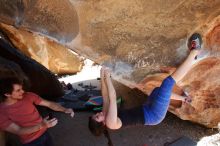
11	88
96	124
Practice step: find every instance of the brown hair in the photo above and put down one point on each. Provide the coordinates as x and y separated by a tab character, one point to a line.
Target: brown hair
97	128
6	86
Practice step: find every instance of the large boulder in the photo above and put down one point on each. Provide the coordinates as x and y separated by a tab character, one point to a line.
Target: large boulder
142	35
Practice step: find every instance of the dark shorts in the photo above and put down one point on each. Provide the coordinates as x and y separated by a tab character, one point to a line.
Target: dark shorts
43	140
133	116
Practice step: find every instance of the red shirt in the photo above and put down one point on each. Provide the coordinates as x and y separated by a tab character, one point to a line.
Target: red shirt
24	114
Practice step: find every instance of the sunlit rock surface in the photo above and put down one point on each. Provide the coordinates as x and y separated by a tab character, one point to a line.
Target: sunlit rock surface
52	17
52	55
138	39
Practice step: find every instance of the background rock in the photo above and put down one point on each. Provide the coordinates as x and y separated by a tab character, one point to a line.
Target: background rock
143	34
47	52
51	17
11	69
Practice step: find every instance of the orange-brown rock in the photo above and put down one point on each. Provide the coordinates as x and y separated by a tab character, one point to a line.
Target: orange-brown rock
51	17
144	34
202	84
47	52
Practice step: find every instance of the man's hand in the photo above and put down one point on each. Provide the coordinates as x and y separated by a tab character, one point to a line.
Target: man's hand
56	107
69	111
49	123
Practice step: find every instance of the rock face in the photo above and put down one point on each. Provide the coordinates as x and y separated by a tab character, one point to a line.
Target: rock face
143	41
10	69
51	17
47	52
42	81
140	38
142	34
202	83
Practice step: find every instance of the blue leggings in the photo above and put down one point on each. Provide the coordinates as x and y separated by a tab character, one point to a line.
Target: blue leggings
156	107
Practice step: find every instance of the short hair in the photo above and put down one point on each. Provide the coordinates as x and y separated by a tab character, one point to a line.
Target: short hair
6	86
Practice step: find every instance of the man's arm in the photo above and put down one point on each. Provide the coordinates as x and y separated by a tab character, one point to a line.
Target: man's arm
56	107
18	130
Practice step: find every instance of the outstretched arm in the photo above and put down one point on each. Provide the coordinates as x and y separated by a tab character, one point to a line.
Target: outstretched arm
112	121
56	107
104	92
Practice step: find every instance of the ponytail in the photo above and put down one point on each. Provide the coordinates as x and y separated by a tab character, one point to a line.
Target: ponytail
107	135
97	128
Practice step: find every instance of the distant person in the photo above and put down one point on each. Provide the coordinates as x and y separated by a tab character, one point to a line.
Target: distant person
156	106
18	114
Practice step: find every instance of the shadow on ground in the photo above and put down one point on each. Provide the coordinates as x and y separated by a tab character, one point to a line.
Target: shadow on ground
74	132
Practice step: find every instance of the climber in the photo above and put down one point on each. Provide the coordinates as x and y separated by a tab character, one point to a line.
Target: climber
153	111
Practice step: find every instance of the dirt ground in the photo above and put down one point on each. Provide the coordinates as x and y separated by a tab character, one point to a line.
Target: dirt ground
74	131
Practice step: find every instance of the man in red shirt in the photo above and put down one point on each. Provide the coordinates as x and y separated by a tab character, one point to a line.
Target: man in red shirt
18	114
